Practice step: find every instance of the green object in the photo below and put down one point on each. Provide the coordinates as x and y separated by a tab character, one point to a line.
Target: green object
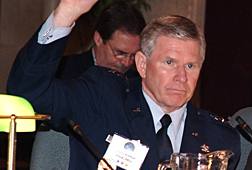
18	106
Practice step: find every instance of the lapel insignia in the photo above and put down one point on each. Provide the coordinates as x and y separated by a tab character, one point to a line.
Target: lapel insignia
137	109
199	113
120	75
195	134
126	79
112	71
218	118
215	117
205	148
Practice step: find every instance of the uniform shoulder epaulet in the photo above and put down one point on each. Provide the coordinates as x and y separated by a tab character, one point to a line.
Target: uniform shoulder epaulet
216	118
121	77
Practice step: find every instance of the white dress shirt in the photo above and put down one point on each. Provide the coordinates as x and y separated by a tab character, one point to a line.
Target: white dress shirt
176	128
48	33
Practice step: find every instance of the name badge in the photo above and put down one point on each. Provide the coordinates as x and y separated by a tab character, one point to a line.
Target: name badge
125	153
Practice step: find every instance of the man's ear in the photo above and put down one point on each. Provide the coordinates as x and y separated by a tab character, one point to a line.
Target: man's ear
97	39
141	62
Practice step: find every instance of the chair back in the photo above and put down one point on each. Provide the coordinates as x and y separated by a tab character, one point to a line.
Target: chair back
246	138
50	150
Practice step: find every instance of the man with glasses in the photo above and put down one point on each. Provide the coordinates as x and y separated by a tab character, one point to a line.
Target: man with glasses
148	110
121	54
116	39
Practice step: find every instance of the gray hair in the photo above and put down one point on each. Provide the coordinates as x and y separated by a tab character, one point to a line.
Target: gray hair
173	26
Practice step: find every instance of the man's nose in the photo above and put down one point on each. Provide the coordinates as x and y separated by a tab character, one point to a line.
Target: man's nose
181	74
126	61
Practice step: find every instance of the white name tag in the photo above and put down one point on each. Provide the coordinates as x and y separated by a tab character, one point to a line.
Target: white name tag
127	154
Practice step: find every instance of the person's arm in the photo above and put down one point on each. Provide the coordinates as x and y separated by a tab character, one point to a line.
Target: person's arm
34	53
32	74
49	34
61	21
36	58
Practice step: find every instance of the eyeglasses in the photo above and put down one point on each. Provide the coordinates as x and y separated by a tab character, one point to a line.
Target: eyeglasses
122	54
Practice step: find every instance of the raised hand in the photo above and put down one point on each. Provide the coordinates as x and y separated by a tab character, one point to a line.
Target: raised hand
68	11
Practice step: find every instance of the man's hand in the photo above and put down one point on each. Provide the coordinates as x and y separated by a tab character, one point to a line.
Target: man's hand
68	11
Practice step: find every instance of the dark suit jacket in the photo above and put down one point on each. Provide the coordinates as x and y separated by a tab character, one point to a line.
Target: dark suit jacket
72	66
103	102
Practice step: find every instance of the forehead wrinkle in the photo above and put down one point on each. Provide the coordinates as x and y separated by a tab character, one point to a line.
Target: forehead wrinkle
125	42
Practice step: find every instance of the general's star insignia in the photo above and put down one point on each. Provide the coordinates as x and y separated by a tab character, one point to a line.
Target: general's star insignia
112	71
195	134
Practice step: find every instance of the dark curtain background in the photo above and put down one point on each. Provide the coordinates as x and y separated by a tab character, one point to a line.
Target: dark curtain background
226	85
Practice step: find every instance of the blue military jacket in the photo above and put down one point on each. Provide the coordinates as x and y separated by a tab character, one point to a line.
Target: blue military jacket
103	102
72	66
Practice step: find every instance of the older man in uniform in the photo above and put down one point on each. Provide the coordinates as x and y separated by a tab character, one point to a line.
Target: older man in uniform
105	102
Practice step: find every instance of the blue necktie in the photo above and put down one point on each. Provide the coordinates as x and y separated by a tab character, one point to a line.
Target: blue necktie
164	143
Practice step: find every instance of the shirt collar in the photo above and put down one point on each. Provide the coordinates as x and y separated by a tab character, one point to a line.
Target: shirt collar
177	117
158	113
93	53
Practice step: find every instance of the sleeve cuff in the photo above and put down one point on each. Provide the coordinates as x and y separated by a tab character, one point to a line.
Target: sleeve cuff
48	33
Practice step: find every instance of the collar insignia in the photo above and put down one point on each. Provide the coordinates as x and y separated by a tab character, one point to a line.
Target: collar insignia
136	109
